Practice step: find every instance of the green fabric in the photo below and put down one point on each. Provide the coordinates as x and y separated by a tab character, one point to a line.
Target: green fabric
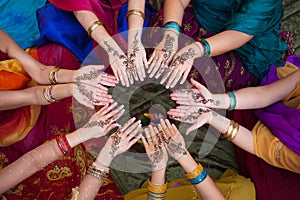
260	18
291	20
141	100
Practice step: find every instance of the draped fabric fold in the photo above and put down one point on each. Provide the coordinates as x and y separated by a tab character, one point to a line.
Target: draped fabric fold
284	121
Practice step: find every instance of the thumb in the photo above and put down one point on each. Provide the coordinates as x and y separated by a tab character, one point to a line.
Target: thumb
195	126
196	84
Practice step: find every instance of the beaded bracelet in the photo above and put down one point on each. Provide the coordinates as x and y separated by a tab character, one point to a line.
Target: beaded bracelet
201	177
53	75
63	144
232	99
98	173
47	92
93	27
135	12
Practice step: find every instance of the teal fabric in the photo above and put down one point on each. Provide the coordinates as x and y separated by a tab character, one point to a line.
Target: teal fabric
260	18
18	19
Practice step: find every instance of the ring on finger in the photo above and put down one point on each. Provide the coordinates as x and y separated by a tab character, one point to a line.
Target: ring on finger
155	58
150	141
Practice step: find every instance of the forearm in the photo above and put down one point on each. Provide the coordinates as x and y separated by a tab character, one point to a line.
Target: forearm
243	138
86	19
207	188
261	96
227	41
158	176
174	10
135	21
29	164
89	187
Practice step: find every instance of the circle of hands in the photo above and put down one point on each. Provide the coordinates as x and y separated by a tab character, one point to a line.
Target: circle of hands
194	104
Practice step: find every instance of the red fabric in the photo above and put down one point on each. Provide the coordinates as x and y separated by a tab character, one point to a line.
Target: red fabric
106	11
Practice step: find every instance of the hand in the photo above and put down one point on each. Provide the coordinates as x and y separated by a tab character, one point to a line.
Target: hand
163	54
155	148
89	95
92	75
200	96
101	122
181	65
195	115
120	141
119	62
173	140
137	54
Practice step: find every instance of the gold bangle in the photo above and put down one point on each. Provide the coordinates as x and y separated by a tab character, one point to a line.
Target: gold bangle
234	131
155	188
229	130
100	174
47	92
93	27
53	75
135	12
195	172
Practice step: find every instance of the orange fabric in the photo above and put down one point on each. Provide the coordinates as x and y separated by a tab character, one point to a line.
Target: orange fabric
12	81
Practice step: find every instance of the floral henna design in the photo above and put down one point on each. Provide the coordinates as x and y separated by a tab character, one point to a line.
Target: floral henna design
198	97
130	67
89	76
85	92
168	46
184	57
193	116
99	123
176	148
116	139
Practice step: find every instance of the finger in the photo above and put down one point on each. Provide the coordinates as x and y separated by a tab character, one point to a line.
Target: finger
145	143
145	63
156	67
114	112
197	84
111	127
132	127
148	136
115	72
174	74
168	71
184	77
152	62
152	134
118	115
140	68
135	131
107	109
176	79
195	126
127	124
132	142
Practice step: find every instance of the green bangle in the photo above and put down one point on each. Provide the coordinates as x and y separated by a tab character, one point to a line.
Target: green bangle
207	48
232	101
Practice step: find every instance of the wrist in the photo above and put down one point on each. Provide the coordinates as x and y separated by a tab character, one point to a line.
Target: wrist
199	49
158	176
221	101
187	162
219	122
104	157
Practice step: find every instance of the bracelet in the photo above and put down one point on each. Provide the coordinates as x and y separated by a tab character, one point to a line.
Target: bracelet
171	31
173	25
195	172
201	177
101	167
53	75
156	191
232	99
63	144
206	47
98	173
232	131
47	92
135	12
93	27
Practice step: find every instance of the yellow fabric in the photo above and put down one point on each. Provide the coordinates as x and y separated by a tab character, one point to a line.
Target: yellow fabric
232	185
266	145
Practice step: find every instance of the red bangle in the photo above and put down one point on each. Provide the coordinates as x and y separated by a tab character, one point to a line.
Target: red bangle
63	144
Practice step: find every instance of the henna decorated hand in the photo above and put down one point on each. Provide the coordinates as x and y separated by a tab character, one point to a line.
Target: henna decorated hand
120	141
173	140
101	122
89	96
195	115
137	54
155	148
162	55
200	96
181	65
119	62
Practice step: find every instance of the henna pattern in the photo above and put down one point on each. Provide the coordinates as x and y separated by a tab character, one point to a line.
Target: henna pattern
175	147
192	116
168	46
99	123
88	76
85	92
130	67
198	97
183	57
116	139
157	157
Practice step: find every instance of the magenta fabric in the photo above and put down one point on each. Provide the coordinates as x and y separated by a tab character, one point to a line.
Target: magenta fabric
284	122
106	11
